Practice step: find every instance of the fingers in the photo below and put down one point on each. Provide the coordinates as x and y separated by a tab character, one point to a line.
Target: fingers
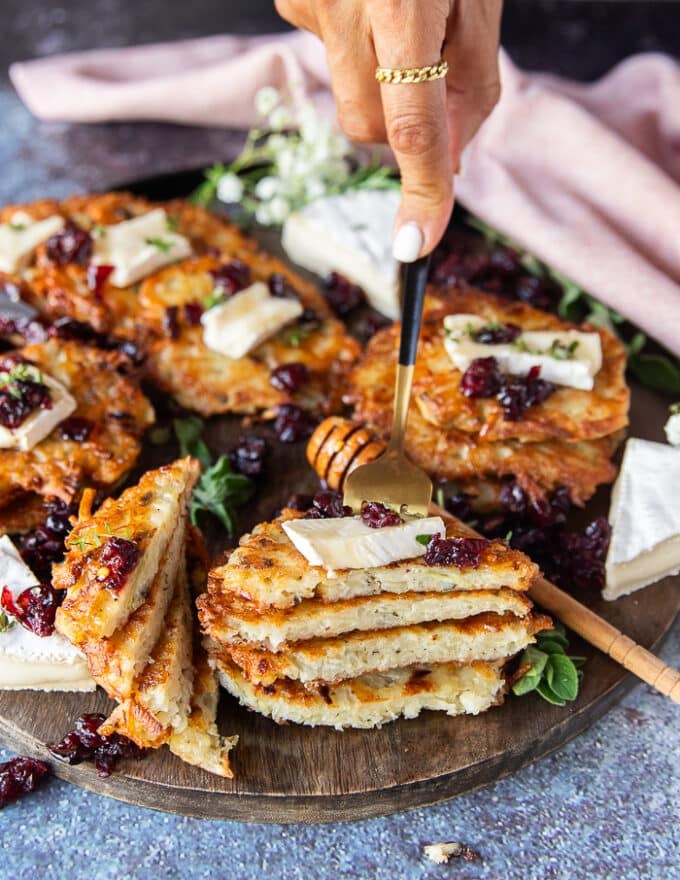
299	13
416	122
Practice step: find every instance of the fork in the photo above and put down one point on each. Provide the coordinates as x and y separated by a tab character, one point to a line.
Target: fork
392	479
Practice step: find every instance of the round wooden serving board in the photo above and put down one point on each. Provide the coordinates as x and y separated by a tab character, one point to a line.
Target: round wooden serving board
291	773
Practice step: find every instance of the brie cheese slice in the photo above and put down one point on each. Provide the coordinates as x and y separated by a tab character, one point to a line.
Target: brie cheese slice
245	320
137	247
567	357
21	236
350	234
645	518
346	542
41	422
28	661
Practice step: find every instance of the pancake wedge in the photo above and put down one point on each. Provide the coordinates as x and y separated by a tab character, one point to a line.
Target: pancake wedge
373	699
483	637
113	556
235	620
267	570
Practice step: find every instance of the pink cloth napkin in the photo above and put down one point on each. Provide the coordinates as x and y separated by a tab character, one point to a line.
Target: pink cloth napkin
584	176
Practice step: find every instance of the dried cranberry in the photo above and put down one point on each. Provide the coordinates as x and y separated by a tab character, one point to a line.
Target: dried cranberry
369	324
75	428
171	322
192	313
519	394
278	286
513	497
289	377
292	423
40	548
482	378
231	277
459	505
117	559
70	329
342	295
377	515
463	552
248	456
34	608
299	501
505	262
84	743
19	777
328	505
497	334
21	397
96	277
537	292
71	245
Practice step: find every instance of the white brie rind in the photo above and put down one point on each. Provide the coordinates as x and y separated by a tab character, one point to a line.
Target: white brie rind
137	247
346	542
645	518
41	422
350	234
530	349
21	236
27	661
245	320
672	429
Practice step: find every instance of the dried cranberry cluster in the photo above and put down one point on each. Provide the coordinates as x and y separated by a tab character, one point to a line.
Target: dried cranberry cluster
20	777
249	455
516	394
20	394
34	608
71	245
292	423
327	505
462	259
289	377
84	743
462	552
341	294
44	545
230	277
377	515
497	334
117	559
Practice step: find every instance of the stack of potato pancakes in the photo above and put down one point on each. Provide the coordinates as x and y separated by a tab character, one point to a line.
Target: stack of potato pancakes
357	647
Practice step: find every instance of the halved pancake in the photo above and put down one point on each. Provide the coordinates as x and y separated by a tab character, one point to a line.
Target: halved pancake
373	699
568	414
233	619
483	637
113	556
161	697
116	662
267	570
115	413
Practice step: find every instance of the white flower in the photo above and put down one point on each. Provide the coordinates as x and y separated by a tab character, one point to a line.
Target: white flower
276	143
266	99
279	209
672	429
230	188
314	188
263	215
280	118
266	188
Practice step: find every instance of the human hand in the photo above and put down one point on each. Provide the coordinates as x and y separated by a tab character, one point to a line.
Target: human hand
426	124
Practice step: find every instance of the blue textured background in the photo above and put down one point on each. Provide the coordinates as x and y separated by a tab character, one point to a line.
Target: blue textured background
604	806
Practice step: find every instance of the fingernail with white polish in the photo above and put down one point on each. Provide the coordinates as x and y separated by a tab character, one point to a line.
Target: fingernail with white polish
407	243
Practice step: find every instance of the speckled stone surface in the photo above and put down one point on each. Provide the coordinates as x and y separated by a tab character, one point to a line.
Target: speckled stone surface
604	806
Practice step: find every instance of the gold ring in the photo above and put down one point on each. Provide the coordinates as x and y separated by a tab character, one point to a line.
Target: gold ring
412	74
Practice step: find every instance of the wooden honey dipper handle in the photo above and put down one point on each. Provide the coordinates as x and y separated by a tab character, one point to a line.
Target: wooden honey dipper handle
595	630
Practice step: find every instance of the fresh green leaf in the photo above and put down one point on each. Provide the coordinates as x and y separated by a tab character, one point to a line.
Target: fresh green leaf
423	539
5	622
214	299
578	661
546	692
529	681
570	306
550	646
656	370
219	492
553	635
562	677
159	435
188	432
162	244
206	191
636	344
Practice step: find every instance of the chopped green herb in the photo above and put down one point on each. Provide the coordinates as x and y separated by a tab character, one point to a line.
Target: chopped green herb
219	492
17	227
520	345
423	539
171	223
9	379
188	432
508	537
297	334
214	299
562	352
5	622
162	244
551	672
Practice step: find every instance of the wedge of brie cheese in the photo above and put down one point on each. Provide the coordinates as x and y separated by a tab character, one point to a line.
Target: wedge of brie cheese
41	422
567	357
346	542
645	518
21	236
245	320
27	661
350	234
137	247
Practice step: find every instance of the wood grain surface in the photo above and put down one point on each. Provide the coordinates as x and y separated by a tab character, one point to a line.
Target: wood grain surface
289	773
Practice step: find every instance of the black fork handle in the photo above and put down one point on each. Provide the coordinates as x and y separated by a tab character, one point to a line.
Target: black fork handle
414	280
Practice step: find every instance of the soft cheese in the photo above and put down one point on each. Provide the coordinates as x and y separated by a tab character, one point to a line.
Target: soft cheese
645	518
672	428
246	319
351	234
21	236
41	422
581	352
28	661
137	247
346	542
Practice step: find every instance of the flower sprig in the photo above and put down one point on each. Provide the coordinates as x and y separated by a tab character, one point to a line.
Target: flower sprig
295	156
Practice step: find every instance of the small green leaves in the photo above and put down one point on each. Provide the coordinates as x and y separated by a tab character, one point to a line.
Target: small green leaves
188	432
562	352
213	299
423	539
162	244
657	371
551	673
5	622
